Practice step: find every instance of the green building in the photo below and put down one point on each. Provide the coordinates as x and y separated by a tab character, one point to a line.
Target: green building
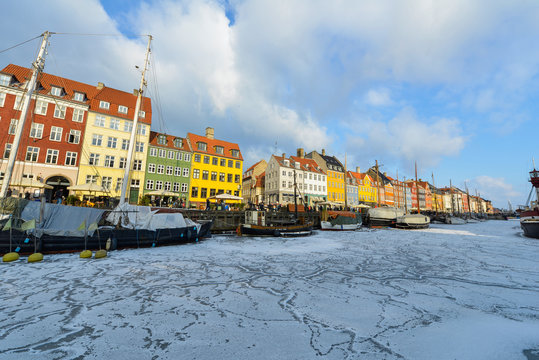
168	167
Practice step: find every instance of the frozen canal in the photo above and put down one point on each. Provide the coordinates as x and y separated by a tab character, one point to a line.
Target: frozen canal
449	292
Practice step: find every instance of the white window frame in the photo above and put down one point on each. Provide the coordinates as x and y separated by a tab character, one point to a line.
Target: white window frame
74	136
122	109
36	130
160	169
41	107
114	124
33	151
112	142
13	126
78	115
97	139
78	96
71	158
151	168
56	133
100	121
104	105
52	154
60	111
109	161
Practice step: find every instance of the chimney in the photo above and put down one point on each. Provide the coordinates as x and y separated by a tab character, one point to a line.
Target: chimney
358	169
135	92
301	153
284	155
100	85
209	132
323	152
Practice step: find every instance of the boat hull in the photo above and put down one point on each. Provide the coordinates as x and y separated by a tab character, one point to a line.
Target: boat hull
327	225
530	226
412	221
276	231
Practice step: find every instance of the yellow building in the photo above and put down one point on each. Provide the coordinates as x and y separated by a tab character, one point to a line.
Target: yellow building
106	140
335	175
366	189
216	168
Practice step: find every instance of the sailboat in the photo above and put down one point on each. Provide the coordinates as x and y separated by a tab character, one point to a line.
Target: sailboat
413	221
59	227
382	216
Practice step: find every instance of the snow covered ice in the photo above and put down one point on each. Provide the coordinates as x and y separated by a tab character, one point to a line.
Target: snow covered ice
448	292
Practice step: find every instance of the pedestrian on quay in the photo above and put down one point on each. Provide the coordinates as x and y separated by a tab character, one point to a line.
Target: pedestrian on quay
208	204
58	195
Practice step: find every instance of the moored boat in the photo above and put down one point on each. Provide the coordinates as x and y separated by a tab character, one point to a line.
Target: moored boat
340	220
412	221
256	225
383	216
529	218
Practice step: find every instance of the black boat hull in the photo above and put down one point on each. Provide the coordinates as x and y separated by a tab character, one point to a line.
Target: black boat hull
276	231
530	228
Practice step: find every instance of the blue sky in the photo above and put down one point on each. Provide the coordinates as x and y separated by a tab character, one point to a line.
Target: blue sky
452	85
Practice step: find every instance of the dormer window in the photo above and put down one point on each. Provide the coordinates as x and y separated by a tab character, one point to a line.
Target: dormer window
141	114
56	91
104	105
235	153
162	140
79	96
178	143
219	150
122	109
5	80
202	146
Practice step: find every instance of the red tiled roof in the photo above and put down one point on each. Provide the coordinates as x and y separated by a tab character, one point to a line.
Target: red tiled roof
211	144
313	166
360	176
252	167
170	141
117	98
260	180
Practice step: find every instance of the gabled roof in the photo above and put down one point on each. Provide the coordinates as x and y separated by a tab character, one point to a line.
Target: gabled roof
252	167
307	164
359	176
170	141
117	98
260	179
211	144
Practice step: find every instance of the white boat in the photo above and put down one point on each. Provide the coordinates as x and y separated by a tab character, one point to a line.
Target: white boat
383	216
340	220
413	221
455	220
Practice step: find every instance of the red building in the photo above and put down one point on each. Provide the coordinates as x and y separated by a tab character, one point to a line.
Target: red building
50	148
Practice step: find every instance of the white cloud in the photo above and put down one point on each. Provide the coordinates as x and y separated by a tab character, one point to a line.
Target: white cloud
496	189
379	97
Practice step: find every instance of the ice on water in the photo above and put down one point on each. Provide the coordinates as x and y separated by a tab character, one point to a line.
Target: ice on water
449	292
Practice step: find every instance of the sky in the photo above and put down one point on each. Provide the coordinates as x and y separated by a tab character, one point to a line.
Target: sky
449	84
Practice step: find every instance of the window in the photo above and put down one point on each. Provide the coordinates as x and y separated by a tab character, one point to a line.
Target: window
235	153
52	156
212	192
161	140
13	126
97	139
153	151
128	126
222	177
99	121
170	169
206	159
149	184
60	111
139	146
7	150
151	168
36	131
160	169
106	182
176	187
178	143
196	158
109	161
179	155
122	109
93	159
104	105
119	182
230	163
125	144
214	161
91	179
187	157
2	98
177	171
41	107
56	133
237	179
238	165
79	96
184	187
171	155
213	176
219	150
158	185
137	165
17	104
122	163
142	114
202	146
32	153
167	185
222	162
5	80
78	115
114	124
284	184
229	177
196	173
74	137
56	91
203	193
185	172
111	142
135	183
162	153
194	192
141	129
205	174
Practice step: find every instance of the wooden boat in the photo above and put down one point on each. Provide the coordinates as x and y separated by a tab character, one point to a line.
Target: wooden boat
256	225
412	221
340	220
383	216
529	218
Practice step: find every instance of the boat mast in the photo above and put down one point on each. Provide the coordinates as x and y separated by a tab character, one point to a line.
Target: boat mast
295	198
378	183
416	188
435	190
451	193
37	67
131	147
398	191
345	184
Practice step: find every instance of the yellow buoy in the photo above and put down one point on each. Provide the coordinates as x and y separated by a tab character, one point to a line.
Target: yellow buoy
86	254
35	257
11	256
100	254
